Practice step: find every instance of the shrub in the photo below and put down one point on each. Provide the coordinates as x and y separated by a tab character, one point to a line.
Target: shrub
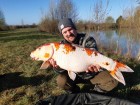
48	25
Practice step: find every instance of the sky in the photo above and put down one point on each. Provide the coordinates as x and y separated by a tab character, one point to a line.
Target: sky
17	12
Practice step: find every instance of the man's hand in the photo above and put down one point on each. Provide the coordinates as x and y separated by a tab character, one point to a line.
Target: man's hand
93	68
53	63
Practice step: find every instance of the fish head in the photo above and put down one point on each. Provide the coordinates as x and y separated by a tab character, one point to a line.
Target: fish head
42	53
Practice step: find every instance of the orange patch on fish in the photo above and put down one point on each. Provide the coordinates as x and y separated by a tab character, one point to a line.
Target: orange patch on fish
118	65
88	51
47	55
69	48
57	46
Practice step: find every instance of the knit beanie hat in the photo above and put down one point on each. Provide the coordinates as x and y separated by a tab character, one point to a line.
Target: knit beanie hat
66	22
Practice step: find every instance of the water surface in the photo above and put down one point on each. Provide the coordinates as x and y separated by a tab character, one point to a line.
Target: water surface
123	42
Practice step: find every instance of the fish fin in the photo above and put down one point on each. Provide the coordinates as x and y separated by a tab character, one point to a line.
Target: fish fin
118	76
116	73
125	68
72	75
45	65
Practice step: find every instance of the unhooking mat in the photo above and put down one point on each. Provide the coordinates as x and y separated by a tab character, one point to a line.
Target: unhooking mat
84	99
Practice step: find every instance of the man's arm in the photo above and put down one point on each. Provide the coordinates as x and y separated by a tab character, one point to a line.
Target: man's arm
89	42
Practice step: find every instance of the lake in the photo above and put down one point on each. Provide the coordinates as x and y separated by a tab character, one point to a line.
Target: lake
122	42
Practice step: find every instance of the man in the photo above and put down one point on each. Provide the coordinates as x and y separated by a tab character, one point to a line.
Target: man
101	81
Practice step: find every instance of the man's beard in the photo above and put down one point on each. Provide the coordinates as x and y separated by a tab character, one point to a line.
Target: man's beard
71	35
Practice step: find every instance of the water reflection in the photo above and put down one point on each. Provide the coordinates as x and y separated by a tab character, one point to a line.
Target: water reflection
124	41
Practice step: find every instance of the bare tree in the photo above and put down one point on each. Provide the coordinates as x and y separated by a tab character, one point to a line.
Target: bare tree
99	12
52	10
57	10
2	21
2	18
48	21
128	15
137	19
66	9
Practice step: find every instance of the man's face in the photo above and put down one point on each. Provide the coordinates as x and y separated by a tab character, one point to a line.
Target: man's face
69	34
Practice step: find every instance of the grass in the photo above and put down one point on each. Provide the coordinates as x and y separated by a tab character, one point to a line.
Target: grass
23	83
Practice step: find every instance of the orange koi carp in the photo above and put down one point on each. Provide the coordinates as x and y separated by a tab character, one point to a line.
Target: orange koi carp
76	59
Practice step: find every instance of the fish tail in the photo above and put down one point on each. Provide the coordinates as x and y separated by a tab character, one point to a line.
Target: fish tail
116	73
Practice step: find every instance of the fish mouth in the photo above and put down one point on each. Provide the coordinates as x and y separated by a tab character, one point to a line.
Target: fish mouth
32	56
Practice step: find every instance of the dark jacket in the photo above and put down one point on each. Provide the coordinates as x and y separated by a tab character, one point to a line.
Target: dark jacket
84	41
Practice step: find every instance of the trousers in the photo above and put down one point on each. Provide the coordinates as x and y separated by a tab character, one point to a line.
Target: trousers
102	82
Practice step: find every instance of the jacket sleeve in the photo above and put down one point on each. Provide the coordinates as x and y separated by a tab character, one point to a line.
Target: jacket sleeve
89	42
59	71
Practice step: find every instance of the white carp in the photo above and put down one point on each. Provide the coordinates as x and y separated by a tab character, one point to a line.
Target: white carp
76	59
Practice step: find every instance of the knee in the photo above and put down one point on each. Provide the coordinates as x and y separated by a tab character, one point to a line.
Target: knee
105	81
109	85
